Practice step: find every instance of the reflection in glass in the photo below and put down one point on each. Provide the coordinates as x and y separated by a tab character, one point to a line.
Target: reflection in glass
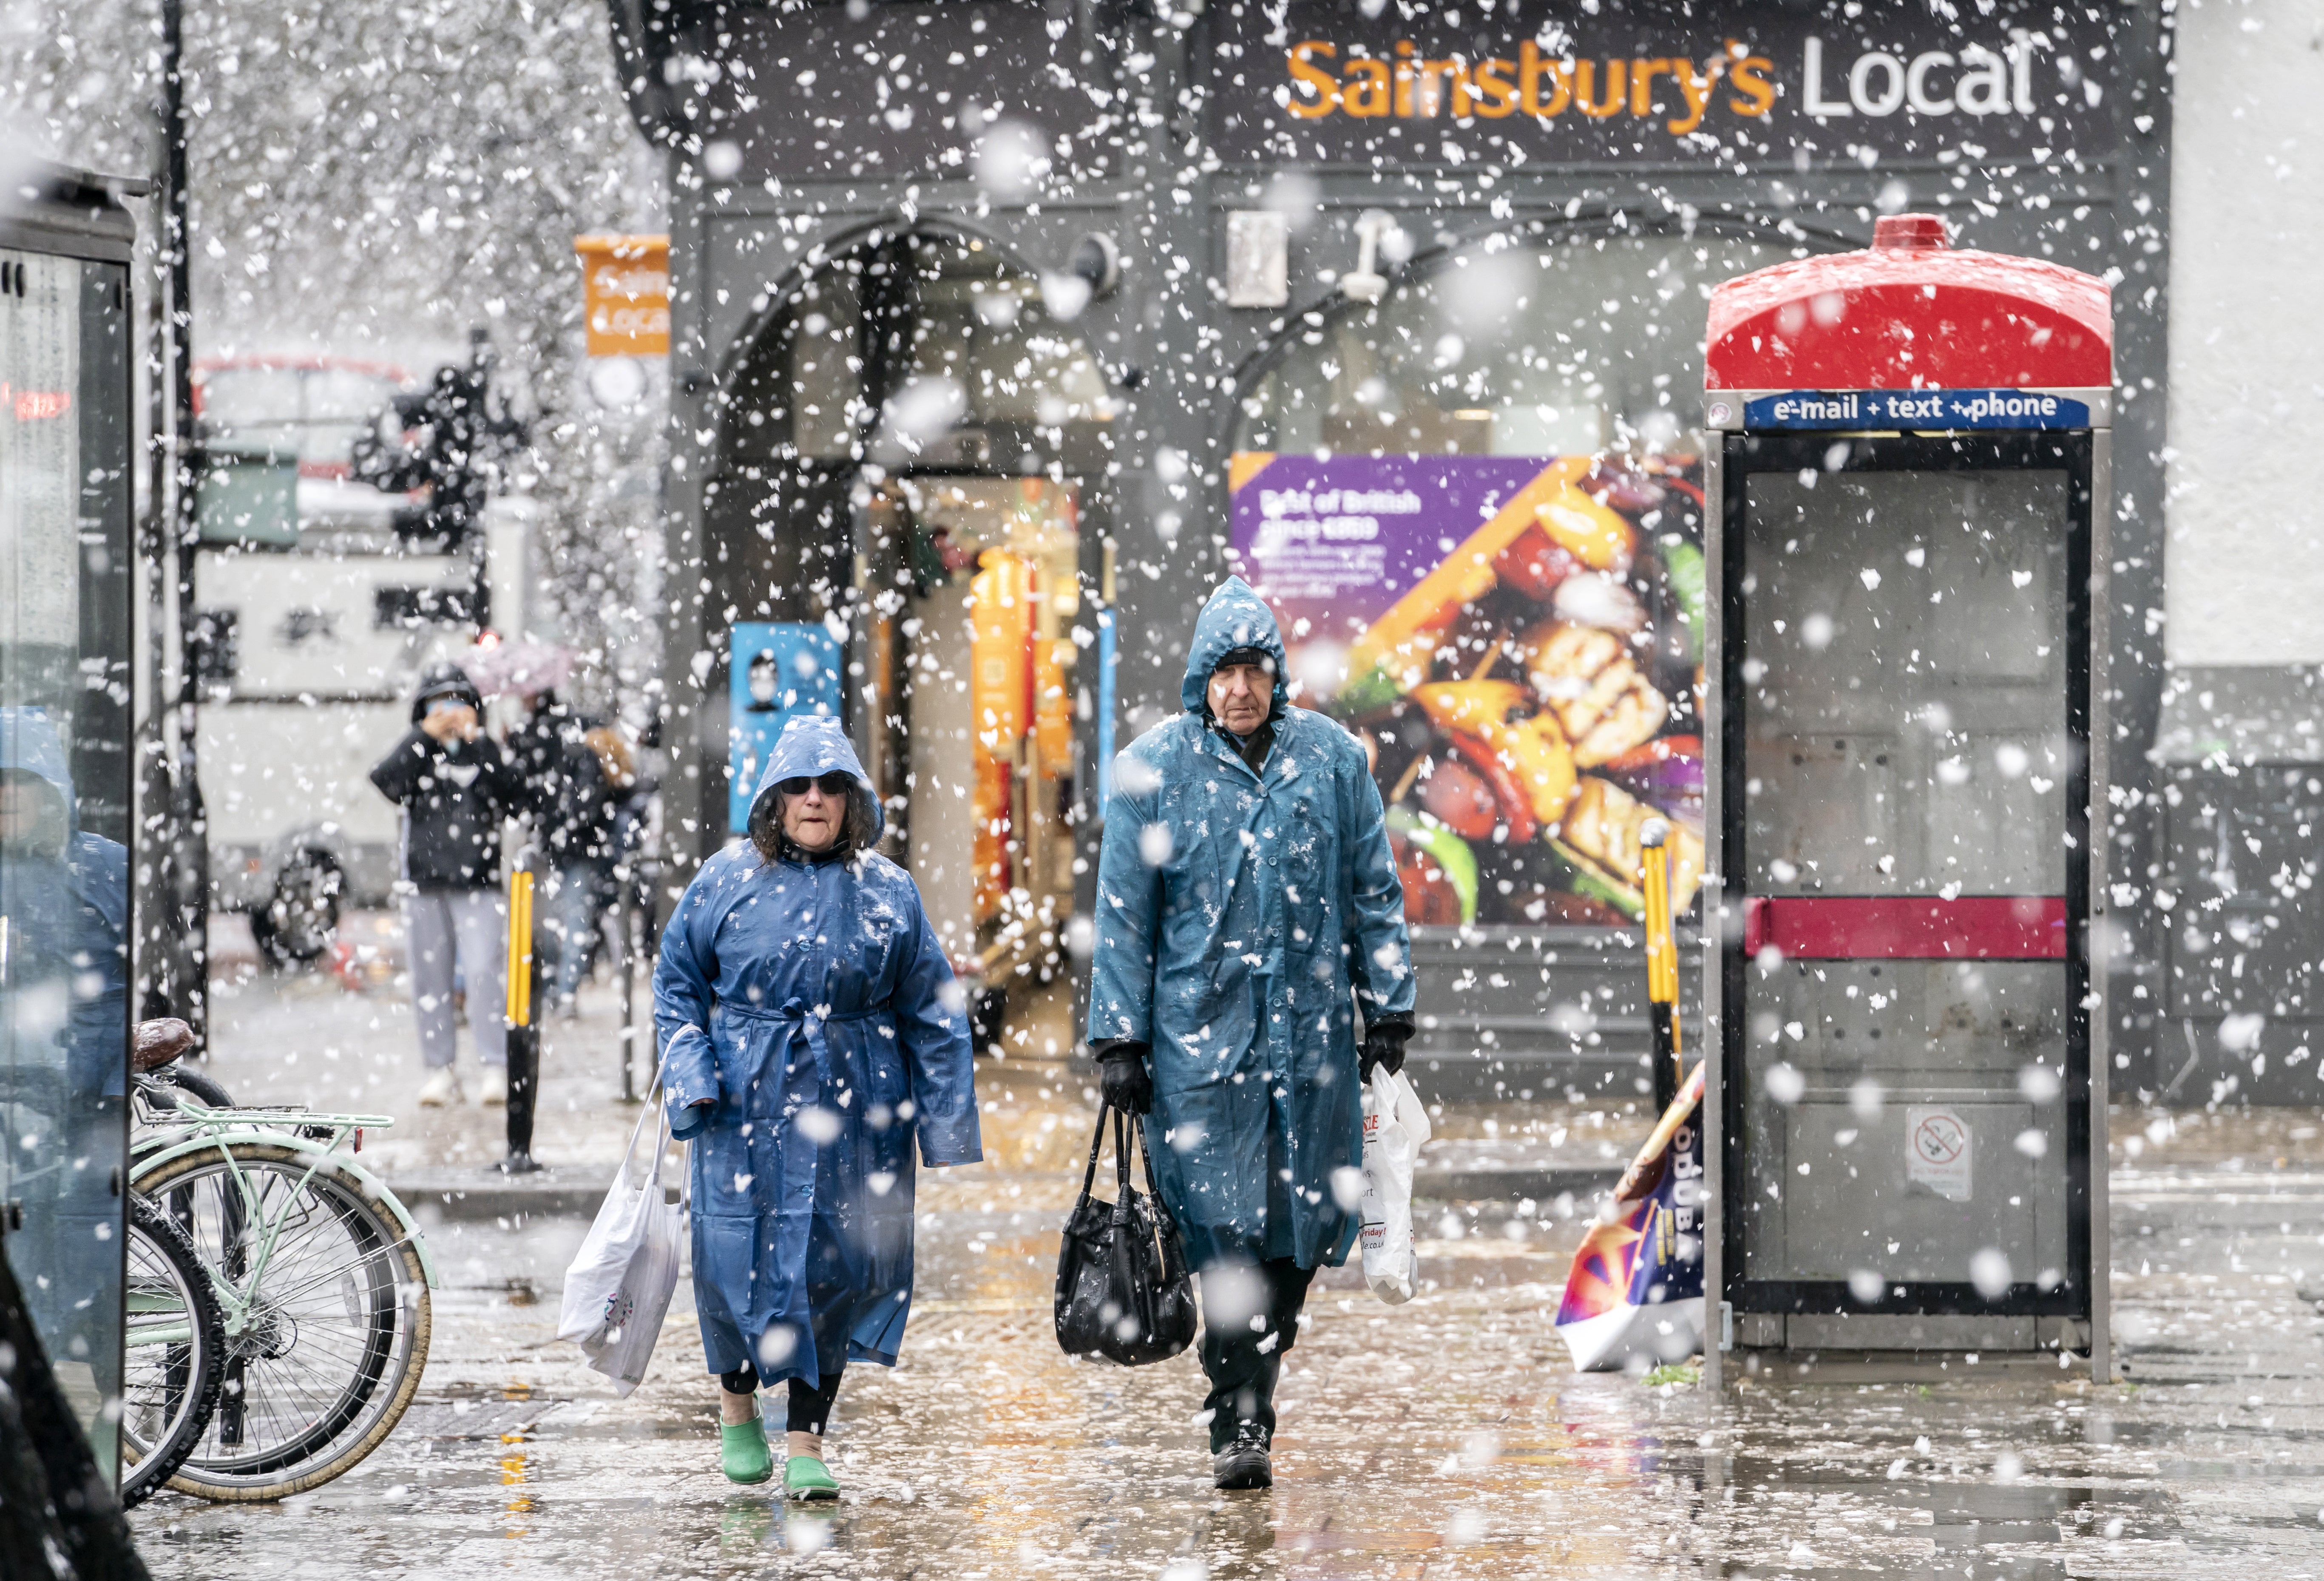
64	897
950	336
1905	701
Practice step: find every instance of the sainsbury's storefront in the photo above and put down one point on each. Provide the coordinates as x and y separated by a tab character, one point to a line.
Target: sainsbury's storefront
1003	331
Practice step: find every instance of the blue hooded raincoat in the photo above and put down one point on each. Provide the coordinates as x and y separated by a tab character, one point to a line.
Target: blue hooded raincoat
810	1005
1240	916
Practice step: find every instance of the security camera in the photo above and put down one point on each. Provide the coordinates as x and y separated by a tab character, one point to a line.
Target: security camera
1096	261
1365	282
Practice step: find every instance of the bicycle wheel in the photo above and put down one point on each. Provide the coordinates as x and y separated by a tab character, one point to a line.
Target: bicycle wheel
326	1310
174	1358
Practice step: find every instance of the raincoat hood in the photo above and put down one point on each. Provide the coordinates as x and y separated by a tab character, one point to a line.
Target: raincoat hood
813	745
445	680
1235	617
29	742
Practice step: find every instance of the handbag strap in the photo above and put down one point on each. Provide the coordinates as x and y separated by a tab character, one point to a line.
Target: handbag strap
1097	1145
1128	1137
1146	1157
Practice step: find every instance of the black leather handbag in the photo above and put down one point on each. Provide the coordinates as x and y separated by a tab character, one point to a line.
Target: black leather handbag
1122	1289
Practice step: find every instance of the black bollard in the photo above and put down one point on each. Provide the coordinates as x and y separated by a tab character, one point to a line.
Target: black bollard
523	1035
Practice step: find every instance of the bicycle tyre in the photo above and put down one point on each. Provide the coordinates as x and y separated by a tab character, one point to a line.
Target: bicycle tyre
165	1271
388	1374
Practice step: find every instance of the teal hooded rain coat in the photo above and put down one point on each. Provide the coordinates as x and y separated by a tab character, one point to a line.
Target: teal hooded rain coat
1240	918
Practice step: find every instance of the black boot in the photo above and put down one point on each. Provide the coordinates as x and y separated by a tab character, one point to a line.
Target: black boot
1243	1464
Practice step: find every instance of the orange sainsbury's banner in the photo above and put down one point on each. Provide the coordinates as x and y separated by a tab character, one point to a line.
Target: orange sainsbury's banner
625	294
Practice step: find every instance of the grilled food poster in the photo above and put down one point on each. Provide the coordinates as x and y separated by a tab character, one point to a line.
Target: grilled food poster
1517	642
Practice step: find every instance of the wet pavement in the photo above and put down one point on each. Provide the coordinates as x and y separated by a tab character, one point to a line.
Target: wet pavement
1444	1438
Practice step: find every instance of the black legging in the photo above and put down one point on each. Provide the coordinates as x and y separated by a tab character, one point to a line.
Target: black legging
810	1406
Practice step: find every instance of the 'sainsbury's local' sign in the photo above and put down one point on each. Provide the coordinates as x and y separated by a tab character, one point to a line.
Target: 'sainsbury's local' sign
1311	80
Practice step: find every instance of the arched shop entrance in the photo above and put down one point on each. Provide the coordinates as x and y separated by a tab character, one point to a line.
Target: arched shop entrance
897	535
1475	507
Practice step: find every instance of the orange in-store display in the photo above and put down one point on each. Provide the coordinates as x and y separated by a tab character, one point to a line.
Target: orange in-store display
1001	655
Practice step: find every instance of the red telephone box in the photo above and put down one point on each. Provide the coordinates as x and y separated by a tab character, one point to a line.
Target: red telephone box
1906	743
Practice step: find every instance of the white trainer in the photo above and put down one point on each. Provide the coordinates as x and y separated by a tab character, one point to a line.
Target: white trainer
440	1090
495	1091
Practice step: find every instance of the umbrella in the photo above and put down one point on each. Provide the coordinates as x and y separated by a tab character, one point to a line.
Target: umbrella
519	669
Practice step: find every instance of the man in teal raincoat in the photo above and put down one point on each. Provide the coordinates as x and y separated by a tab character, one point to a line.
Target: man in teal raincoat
1248	908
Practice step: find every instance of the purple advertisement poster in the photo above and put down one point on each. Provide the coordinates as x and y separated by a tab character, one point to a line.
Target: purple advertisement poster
1517	643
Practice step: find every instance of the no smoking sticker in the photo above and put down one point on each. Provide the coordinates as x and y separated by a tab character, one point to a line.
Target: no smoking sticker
1937	1146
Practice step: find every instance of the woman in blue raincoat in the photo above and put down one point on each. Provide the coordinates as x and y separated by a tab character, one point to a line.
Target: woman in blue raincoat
811	1031
1246	904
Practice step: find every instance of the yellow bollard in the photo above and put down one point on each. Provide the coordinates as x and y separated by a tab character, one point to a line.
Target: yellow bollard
519	951
1661	961
523	1037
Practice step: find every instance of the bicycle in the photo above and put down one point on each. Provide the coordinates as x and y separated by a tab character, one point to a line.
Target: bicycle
321	1282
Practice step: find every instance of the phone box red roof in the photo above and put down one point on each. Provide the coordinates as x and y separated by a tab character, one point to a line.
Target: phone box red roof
1910	313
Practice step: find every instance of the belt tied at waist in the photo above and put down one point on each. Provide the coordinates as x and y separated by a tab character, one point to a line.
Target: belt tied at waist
810	1020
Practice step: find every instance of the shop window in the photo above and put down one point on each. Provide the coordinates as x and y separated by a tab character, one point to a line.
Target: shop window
1476	508
946	337
898	494
1530	348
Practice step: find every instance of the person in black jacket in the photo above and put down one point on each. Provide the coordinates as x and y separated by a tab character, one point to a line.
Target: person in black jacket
583	846
456	790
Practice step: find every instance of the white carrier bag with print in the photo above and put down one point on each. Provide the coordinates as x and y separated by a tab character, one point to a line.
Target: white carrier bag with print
1396	1128
618	1290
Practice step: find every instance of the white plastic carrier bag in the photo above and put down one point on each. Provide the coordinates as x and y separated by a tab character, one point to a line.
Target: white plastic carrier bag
619	1287
1396	1128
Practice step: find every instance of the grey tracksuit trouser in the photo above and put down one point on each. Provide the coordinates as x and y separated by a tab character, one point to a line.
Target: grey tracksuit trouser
469	927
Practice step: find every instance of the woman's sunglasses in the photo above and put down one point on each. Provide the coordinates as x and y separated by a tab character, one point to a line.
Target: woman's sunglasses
838	783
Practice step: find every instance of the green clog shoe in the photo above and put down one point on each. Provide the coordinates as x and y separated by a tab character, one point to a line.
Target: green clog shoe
807	1480
743	1451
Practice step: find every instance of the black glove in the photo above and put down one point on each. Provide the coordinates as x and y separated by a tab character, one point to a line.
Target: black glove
1123	1080
1384	1047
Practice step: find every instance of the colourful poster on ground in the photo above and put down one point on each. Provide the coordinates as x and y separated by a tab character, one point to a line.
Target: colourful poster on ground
1517	643
1634	1297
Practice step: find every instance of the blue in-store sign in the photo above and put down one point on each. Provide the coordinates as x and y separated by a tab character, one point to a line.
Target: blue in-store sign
777	673
1915	409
